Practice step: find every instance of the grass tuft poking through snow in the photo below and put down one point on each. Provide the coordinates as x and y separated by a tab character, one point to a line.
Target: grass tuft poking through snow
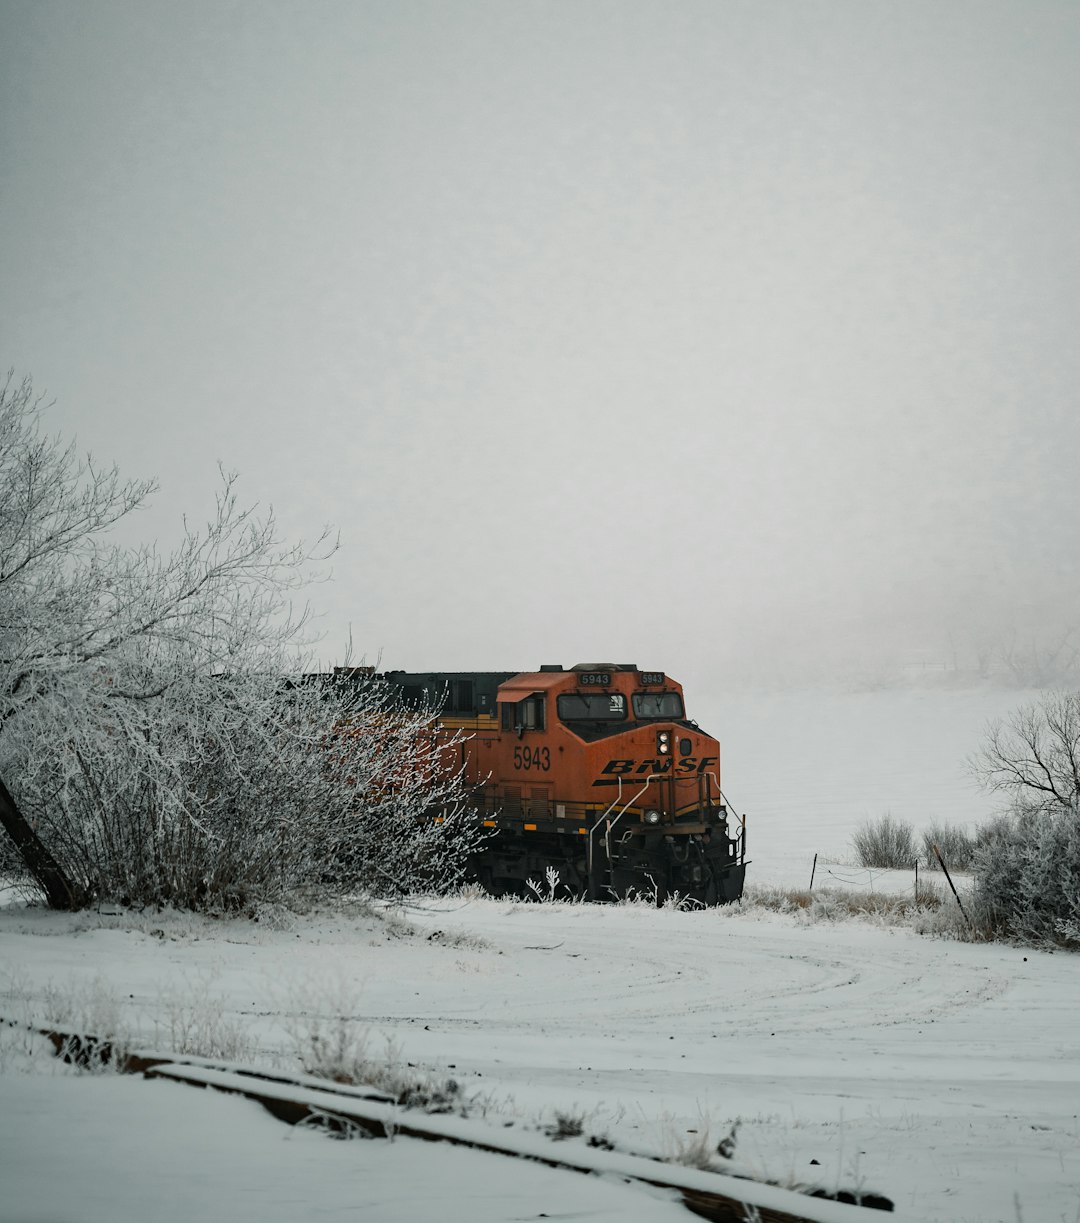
331	1044
699	1147
566	1125
198	1022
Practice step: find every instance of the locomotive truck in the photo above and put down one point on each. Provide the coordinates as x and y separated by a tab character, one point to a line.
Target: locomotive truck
595	771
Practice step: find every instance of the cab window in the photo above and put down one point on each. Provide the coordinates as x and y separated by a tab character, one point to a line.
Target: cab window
658	705
523	715
591	706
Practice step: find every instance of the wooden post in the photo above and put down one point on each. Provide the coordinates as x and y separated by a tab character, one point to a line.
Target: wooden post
813	871
952	885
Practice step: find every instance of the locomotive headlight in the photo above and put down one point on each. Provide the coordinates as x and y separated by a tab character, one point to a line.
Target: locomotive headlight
652	817
663	742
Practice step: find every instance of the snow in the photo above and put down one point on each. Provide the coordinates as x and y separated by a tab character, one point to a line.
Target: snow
942	1074
157	1151
808	766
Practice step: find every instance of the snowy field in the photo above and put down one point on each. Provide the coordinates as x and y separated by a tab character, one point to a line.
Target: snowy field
807	767
944	1075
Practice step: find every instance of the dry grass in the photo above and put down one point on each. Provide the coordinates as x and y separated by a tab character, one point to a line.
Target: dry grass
935	913
836	904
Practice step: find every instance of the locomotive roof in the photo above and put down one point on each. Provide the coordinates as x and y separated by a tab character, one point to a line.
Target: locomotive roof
502	676
533	681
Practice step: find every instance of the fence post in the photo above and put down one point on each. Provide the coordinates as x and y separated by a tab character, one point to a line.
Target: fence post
813	871
953	886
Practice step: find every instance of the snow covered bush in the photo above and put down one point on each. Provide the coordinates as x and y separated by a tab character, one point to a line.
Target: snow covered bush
956	845
1027	879
886	843
154	746
1027	869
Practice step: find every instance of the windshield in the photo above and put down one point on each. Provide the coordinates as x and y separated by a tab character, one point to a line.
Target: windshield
592	706
658	705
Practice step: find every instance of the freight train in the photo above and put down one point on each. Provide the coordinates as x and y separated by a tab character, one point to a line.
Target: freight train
594	771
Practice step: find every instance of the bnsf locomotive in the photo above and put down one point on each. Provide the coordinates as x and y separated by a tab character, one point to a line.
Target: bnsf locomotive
595	771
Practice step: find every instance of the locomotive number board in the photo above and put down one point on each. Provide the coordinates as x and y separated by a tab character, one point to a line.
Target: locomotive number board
648	678
595	679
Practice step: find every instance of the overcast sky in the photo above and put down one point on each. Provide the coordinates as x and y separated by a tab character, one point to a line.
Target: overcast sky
691	334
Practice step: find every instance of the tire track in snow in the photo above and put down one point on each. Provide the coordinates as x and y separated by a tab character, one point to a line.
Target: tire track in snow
700	978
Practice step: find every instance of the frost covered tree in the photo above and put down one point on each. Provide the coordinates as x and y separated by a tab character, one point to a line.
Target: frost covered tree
157	737
1027	871
1034	755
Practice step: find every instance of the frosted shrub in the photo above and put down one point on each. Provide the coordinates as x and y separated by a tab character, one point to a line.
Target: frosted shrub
1027	869
886	843
1027	879
157	742
231	795
957	847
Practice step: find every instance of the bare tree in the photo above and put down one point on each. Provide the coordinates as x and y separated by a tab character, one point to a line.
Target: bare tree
1040	662
1034	755
153	743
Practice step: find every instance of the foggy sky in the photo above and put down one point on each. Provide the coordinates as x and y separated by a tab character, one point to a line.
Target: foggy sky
706	335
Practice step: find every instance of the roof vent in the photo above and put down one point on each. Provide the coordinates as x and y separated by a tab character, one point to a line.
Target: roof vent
550	666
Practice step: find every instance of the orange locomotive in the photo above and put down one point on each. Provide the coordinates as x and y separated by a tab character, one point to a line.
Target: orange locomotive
594	771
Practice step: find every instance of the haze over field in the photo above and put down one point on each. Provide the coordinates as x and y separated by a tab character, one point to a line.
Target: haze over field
724	338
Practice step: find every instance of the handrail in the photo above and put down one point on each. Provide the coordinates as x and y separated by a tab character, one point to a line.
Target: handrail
729	807
724	798
607	836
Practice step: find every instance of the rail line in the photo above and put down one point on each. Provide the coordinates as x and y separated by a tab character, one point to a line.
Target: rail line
339	1107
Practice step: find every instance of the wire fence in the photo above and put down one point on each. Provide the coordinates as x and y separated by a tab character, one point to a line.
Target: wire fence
878	880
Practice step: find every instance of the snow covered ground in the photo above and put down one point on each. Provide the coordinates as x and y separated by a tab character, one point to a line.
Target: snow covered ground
944	1075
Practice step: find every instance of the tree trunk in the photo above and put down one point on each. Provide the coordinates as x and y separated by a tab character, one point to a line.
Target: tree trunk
59	891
